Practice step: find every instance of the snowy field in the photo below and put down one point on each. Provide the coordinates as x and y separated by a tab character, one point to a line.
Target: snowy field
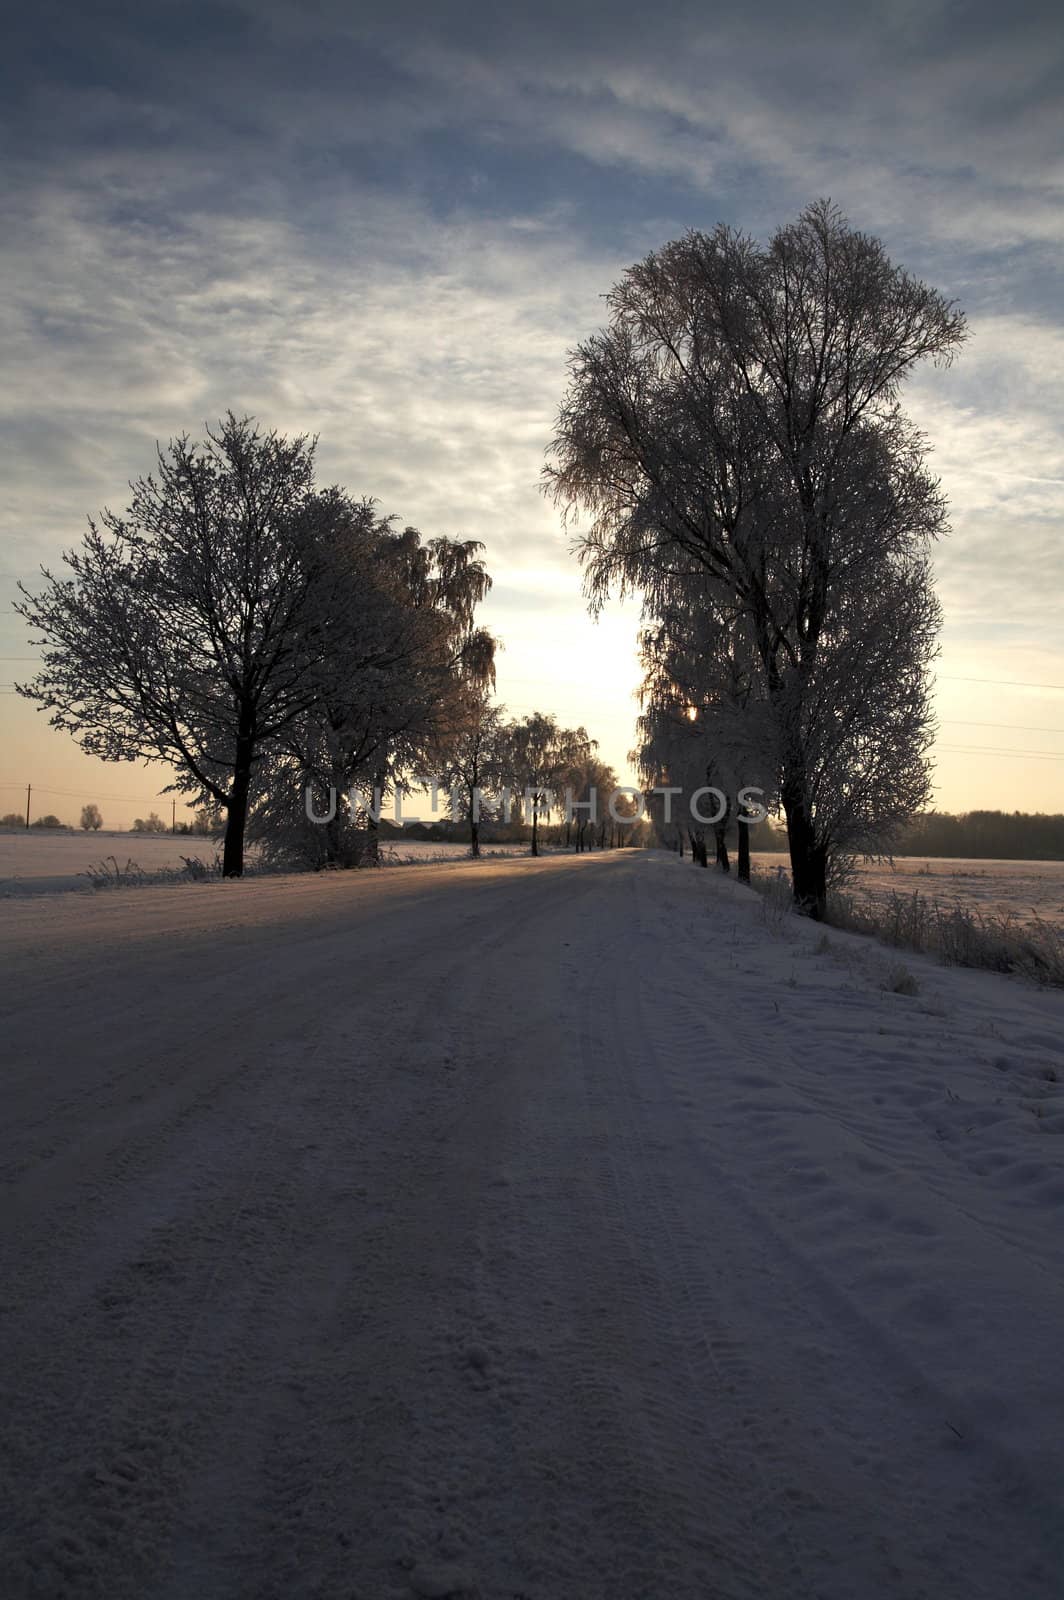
572	1229
35	862
1020	889
419	851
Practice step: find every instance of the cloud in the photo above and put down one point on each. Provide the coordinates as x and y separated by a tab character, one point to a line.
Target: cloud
387	225
995	422
430	362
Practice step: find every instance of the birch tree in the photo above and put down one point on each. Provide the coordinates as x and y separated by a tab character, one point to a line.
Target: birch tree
474	764
736	425
539	753
404	661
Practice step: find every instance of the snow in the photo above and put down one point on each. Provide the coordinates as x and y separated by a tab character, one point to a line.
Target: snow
36	862
562	1229
1020	889
416	852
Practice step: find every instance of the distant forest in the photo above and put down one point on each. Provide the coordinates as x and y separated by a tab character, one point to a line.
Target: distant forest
1001	835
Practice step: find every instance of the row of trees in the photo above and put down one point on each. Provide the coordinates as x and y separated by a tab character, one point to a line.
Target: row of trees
492	758
479	769
254	631
270	639
92	821
204	823
734	436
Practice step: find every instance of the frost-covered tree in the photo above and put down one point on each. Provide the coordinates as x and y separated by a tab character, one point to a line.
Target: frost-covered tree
152	823
183	633
591	783
453	661
861	713
674	755
91	818
703	711
539	753
404	658
736	427
474	765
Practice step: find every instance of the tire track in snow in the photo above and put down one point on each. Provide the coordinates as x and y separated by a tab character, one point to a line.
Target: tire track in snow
700	1393
98	1525
186	1241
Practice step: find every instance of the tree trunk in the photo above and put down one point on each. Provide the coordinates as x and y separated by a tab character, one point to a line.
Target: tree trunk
719	830
743	869
808	859
237	807
335	827
535	824
474	820
332	837
373	836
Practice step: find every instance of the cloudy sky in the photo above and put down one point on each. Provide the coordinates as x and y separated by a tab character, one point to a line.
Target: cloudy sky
386	224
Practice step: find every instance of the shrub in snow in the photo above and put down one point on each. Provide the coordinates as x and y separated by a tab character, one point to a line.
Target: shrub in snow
958	936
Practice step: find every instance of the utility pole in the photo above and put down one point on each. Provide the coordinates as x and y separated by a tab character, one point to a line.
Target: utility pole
29	791
173	816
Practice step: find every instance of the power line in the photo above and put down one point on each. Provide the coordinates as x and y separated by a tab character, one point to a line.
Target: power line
79	794
1007	683
989	750
1020	727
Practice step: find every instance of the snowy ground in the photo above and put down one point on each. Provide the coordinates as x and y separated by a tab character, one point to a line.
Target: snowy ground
996	888
35	862
1020	889
553	1230
419	851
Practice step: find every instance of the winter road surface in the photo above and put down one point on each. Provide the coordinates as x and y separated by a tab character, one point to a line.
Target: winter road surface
552	1230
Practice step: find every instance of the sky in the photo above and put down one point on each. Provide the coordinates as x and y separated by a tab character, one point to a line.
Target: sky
387	225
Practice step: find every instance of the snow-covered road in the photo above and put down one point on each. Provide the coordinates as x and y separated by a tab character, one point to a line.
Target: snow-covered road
526	1230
